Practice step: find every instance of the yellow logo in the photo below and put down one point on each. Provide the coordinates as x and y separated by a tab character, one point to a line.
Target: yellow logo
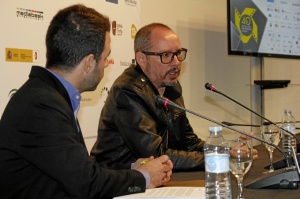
133	31
21	55
246	25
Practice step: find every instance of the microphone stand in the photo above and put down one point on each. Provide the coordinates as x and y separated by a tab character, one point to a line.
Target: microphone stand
286	178
276	165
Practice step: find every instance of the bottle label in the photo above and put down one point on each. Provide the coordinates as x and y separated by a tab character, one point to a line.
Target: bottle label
216	163
290	128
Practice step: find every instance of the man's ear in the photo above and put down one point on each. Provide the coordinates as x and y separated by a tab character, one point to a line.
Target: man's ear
141	59
89	63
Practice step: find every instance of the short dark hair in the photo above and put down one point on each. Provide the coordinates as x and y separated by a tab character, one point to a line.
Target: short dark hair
142	41
74	33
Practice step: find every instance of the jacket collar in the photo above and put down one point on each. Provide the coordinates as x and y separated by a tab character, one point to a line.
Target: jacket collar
41	72
171	92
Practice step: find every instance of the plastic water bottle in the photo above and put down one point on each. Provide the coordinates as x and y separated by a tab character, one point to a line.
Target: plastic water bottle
288	141
217	173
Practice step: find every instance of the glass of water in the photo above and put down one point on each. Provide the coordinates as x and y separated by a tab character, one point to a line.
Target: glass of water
241	157
271	134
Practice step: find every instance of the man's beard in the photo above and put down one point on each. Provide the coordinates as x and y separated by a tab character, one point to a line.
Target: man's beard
173	83
166	84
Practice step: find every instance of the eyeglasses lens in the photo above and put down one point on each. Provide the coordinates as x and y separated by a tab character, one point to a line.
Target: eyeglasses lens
168	57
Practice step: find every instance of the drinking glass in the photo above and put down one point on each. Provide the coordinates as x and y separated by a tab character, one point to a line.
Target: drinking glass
241	157
271	134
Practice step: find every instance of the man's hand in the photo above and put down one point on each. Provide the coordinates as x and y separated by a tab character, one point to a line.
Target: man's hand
255	152
159	169
140	161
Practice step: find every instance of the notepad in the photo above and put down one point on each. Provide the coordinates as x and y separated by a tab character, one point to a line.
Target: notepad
169	192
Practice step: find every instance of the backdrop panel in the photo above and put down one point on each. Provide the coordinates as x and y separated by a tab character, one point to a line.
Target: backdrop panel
22	44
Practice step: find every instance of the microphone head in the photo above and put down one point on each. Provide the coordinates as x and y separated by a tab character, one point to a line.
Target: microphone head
210	87
266	123
161	100
166	102
227	123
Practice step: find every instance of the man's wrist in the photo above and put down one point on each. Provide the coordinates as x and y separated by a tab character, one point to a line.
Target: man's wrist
146	176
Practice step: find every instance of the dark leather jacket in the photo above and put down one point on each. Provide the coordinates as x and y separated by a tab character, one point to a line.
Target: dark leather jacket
133	125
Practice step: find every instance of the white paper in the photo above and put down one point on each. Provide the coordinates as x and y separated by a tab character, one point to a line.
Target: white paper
169	192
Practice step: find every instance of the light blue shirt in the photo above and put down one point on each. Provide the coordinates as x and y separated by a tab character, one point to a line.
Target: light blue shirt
73	93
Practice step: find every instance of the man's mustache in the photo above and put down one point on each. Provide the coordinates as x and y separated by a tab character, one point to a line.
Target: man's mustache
172	70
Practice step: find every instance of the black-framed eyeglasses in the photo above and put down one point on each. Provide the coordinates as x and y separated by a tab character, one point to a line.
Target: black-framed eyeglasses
167	57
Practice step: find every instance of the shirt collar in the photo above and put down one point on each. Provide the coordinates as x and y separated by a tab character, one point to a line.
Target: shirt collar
72	92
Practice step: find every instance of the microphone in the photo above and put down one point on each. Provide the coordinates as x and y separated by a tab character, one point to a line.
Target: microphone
166	102
286	178
252	125
212	88
276	165
233	124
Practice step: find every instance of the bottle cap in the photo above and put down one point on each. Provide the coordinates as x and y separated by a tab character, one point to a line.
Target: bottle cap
287	111
215	130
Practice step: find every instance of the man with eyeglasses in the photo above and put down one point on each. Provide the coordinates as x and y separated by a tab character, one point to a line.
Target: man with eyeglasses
132	124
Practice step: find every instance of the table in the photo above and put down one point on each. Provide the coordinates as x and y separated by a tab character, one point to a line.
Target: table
197	179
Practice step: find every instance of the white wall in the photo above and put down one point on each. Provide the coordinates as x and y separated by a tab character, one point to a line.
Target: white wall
276	100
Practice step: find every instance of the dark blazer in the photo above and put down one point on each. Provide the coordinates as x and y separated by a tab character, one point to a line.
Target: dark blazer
42	152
